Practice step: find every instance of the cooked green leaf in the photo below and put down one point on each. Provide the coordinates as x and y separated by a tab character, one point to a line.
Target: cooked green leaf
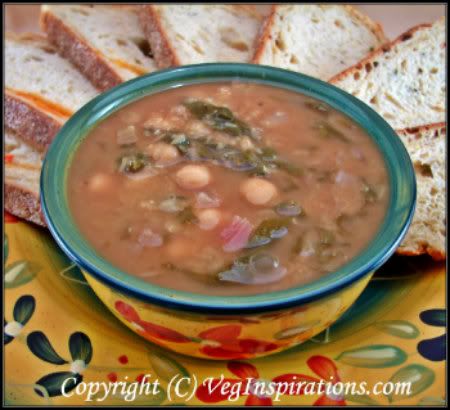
132	163
187	216
268	230
318	106
326	130
218	118
289	208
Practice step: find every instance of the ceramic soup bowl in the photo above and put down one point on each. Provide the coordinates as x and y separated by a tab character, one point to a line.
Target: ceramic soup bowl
236	327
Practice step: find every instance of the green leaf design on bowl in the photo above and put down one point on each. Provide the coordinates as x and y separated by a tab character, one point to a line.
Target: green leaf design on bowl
80	347
295	331
41	347
431	401
434	317
399	328
52	383
361	399
166	367
73	274
24	309
419	376
373	356
19	273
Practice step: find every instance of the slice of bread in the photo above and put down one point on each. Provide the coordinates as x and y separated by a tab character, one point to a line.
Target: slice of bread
42	89
22	171
404	80
426	147
105	43
189	34
317	40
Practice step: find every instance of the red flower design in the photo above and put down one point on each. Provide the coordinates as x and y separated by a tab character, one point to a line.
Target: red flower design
223	342
249	384
327	371
9	218
147	329
248	381
9	158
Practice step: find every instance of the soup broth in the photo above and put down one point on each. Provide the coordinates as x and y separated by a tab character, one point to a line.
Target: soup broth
228	189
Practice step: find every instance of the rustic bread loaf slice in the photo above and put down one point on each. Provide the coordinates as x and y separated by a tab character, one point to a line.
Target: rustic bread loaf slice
404	80
42	89
426	146
317	40
22	172
189	34
105	43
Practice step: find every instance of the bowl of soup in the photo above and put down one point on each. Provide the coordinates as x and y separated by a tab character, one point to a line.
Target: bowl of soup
227	211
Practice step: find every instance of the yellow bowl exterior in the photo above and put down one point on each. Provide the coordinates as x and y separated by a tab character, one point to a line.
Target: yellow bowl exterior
227	337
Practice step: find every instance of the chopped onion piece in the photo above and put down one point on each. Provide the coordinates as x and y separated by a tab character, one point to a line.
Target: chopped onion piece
261	269
288	208
127	135
148	238
207	200
357	153
345	178
173	204
265	268
236	234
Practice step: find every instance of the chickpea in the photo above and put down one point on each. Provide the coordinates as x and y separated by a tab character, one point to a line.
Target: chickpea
180	111
156	121
209	218
173	226
163	154
193	177
258	191
99	183
246	144
180	248
197	127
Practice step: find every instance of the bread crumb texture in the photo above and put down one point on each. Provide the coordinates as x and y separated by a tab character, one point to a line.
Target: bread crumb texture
405	80
426	147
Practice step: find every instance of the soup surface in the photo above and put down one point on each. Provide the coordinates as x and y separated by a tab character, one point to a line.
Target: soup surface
228	189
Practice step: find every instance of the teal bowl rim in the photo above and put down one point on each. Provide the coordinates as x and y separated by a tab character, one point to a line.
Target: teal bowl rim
57	213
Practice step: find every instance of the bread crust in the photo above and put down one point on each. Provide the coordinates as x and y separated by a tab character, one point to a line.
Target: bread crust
264	35
32	125
379	51
23	204
423	249
73	47
375	28
439	127
416	132
28	37
163	53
